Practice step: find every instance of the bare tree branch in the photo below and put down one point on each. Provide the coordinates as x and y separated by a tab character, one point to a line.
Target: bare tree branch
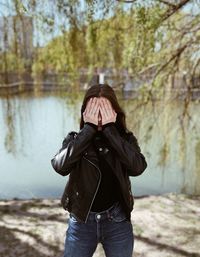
174	57
167	3
195	67
174	9
127	1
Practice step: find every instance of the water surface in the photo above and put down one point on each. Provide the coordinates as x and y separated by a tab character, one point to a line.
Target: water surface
33	127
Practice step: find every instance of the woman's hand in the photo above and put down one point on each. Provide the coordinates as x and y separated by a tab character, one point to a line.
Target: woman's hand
108	114
91	112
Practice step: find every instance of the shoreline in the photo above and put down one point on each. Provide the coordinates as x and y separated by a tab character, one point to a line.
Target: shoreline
166	225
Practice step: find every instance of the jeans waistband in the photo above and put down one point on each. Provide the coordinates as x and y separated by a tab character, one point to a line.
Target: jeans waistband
106	214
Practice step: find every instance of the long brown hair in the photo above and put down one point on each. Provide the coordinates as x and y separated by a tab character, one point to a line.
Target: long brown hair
106	91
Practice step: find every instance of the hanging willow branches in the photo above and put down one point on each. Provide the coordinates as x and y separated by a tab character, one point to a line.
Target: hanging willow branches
155	40
65	36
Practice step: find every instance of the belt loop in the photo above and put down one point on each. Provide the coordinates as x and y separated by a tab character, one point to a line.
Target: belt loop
108	214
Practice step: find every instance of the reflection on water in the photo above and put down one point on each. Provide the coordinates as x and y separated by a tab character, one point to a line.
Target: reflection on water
32	130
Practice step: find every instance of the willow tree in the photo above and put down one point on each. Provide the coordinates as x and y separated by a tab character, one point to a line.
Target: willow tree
156	37
110	33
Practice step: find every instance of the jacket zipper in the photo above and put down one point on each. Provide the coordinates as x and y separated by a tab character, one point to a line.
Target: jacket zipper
96	187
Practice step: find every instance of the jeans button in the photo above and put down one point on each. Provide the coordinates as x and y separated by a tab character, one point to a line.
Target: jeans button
98	216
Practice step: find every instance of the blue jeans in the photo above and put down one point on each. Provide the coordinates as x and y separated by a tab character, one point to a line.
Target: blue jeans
111	228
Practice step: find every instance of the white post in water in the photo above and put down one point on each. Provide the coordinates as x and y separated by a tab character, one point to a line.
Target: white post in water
101	78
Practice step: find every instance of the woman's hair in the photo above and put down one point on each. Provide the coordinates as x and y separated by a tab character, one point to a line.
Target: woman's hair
106	91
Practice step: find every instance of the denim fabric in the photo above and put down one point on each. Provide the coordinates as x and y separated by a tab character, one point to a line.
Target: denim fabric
111	228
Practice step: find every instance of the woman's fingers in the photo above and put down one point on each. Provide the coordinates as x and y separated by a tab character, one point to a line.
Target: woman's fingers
88	103
92	106
107	111
92	110
98	115
95	107
87	108
103	108
99	108
107	107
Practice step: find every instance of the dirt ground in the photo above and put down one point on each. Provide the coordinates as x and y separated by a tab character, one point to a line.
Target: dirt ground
164	226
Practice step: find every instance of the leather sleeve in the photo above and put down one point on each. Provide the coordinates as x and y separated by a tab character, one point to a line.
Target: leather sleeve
108	124
128	151
92	124
72	147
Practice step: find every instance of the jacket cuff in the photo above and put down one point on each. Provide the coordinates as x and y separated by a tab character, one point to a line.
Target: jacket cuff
108	125
91	125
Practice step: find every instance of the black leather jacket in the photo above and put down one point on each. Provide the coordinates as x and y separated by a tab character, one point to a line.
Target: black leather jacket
77	157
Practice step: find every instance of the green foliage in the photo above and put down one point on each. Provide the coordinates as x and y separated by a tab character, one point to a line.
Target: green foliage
12	63
107	34
126	40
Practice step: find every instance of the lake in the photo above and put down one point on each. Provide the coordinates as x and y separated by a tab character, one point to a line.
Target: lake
32	128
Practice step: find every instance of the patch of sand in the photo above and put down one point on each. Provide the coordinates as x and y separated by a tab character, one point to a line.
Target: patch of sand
164	226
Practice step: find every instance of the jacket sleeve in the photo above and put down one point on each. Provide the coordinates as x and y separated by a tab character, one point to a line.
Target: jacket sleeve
128	151
73	146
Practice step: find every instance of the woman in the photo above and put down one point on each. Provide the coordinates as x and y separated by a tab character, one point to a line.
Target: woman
99	160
